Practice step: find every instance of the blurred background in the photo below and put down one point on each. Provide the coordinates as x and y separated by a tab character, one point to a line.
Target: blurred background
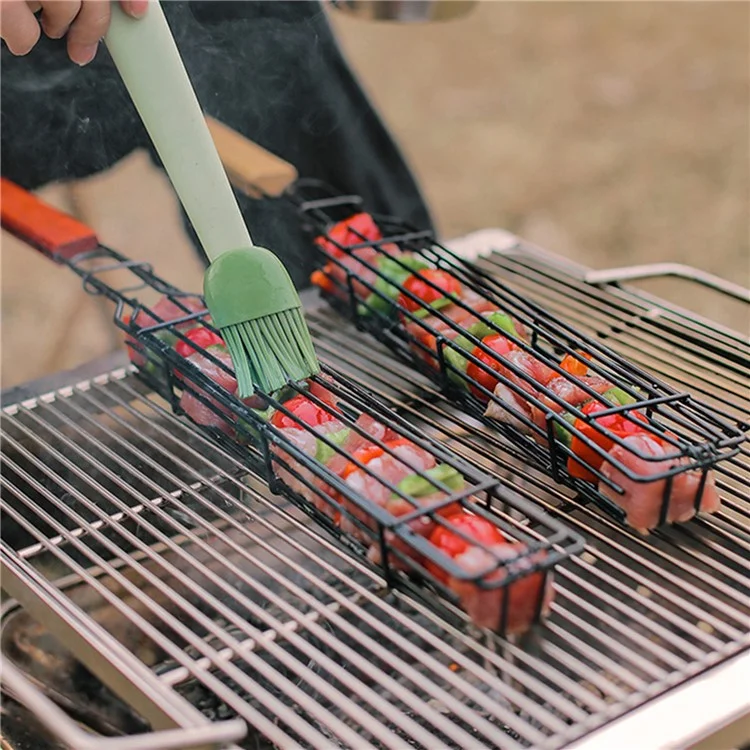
611	133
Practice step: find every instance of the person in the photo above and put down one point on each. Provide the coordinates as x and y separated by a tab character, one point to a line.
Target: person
270	69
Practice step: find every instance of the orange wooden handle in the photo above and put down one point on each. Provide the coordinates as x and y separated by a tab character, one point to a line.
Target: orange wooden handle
42	226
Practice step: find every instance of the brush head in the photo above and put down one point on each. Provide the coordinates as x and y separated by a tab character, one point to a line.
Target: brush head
253	302
270	351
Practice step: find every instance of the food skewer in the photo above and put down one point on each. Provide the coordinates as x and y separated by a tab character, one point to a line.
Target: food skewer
488	354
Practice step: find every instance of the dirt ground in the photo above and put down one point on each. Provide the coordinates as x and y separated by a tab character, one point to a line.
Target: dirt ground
612	133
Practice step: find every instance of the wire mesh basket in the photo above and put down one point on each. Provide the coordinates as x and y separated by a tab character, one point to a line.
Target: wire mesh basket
394	496
639	449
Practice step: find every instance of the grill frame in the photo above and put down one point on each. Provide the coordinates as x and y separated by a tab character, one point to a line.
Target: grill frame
719	715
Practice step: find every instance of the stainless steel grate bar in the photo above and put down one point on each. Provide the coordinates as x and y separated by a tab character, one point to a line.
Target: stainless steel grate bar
147	629
344	733
89	397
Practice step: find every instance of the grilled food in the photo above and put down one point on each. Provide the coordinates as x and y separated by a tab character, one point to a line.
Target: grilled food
393	473
488	353
164	311
483	603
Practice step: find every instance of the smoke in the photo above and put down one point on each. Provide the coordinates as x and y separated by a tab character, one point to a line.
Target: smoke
269	69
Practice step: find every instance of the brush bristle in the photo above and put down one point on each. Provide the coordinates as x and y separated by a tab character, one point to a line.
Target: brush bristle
270	351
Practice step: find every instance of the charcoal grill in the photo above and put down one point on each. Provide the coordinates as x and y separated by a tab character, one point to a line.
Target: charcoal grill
314	649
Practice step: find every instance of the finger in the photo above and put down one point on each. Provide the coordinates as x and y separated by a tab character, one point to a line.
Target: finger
18	26
134	8
57	16
89	27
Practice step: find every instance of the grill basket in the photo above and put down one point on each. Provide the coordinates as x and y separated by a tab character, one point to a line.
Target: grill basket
405	558
698	436
197	596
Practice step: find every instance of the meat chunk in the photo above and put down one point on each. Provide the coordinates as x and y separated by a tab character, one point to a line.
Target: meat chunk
165	310
521	598
402	459
642	501
202	413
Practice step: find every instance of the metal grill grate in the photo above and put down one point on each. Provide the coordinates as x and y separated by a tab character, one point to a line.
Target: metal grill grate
236	604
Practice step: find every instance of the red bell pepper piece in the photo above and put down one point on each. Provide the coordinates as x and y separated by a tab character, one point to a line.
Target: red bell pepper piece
482	531
615	424
303	410
500	346
349	232
445	283
322	279
197	339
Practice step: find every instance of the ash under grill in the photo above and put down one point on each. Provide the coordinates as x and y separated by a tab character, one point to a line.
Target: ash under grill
237	606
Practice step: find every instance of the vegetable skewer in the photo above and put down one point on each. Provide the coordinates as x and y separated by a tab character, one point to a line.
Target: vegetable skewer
488	354
396	475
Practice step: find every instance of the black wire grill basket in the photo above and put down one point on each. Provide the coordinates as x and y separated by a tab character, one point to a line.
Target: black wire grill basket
368	272
288	440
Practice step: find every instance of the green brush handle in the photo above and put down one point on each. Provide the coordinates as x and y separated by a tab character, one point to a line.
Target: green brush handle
147	58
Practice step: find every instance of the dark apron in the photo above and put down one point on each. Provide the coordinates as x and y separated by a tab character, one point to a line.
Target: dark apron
270	70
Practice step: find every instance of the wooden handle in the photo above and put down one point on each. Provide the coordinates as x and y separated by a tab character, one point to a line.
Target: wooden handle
250	168
40	225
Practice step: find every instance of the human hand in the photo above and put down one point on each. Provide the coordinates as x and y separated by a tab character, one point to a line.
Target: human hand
84	22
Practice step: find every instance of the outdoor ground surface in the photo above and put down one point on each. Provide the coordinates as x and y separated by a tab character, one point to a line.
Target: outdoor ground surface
611	133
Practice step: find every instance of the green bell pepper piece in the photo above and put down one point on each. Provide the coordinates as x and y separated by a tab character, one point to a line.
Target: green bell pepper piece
618	396
563	435
168	337
393	276
437	304
323	452
248	428
481	330
417	486
457	360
